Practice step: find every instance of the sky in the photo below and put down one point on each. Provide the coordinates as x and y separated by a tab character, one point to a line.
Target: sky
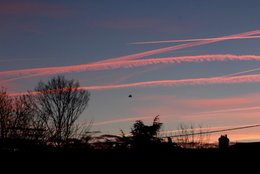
204	69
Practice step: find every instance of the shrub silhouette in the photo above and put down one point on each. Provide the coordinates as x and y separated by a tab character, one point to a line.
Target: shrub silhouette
146	136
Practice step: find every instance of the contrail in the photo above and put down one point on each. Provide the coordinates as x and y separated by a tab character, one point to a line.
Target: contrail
241	72
121	120
137	73
229	110
181	46
45	71
184	82
127	64
192	40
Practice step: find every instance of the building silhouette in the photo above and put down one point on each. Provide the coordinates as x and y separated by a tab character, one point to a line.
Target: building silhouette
223	142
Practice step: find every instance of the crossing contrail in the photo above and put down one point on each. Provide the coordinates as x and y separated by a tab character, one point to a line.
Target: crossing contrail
19	74
181	46
242	72
126	64
192	40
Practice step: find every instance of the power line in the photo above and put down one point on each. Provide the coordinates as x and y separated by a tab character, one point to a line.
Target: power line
214	131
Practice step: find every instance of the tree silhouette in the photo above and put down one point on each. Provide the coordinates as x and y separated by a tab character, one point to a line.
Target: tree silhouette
5	113
22	119
59	104
145	136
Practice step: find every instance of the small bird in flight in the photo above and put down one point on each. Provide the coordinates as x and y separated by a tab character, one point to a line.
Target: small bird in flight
130	96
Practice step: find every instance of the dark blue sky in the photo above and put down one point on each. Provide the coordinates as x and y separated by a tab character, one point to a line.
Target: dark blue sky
50	33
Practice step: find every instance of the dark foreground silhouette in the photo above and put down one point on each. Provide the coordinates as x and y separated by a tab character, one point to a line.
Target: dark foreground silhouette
126	146
144	139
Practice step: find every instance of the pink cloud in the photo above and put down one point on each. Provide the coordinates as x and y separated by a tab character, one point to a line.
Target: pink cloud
183	82
160	98
25	73
216	103
137	73
239	114
34	8
122	120
241	103
14	13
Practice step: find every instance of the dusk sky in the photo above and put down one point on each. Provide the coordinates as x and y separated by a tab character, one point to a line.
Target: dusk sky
207	74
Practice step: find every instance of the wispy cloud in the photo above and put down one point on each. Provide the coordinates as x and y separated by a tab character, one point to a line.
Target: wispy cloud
122	120
239	109
137	73
183	82
217	102
25	73
34	8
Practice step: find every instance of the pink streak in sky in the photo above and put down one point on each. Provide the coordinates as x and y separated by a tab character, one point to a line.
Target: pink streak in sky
53	70
34	8
181	46
137	73
122	120
231	110
26	73
200	81
216	102
192	40
241	72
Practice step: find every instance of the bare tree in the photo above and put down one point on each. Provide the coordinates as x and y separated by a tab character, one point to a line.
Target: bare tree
190	137
24	122
16	116
59	103
5	113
